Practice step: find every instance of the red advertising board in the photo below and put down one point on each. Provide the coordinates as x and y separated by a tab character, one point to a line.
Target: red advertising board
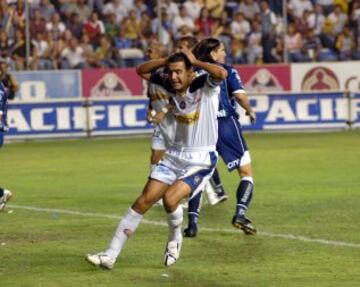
265	78
125	82
111	83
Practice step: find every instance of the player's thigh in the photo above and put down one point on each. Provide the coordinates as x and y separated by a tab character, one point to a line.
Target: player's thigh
156	155
152	192
175	193
245	170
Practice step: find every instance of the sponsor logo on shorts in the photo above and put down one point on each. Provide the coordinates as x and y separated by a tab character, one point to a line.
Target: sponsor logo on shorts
233	163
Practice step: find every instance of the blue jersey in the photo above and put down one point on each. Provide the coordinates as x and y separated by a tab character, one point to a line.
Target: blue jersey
229	87
3	107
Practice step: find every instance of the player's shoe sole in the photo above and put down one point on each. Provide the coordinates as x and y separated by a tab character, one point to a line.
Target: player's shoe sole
5	198
244	224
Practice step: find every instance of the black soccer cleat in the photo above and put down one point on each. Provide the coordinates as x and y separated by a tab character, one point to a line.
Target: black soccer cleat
244	224
190	232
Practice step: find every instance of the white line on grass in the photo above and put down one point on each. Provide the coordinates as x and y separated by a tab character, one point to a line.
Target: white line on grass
162	223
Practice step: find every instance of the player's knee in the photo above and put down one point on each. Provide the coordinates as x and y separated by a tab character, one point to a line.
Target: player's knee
170	203
143	203
245	171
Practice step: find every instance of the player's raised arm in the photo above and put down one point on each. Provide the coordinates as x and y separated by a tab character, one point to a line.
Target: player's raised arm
144	70
217	72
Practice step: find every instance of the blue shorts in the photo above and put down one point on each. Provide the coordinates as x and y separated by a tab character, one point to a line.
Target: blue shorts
1	138
231	145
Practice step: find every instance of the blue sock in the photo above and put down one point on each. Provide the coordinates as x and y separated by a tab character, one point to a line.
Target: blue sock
194	210
244	195
1	192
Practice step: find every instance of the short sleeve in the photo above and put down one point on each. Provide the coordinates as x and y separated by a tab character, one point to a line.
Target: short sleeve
235	85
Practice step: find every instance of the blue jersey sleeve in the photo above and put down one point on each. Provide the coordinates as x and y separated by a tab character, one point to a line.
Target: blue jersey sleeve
160	77
234	83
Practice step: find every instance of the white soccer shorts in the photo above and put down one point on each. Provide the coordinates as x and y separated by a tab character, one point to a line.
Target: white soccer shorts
193	167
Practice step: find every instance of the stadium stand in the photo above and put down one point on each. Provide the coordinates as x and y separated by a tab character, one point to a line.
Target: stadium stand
75	34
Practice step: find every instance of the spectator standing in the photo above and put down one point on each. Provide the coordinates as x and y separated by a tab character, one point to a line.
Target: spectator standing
268	25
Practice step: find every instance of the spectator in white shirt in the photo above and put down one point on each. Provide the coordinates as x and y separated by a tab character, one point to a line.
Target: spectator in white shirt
249	8
338	20
117	7
182	20
55	27
73	56
193	8
171	8
297	7
316	19
240	27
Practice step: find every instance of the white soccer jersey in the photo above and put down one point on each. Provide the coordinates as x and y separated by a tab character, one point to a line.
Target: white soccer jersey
159	98
195	113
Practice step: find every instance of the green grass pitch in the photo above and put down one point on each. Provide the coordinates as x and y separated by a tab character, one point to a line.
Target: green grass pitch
306	207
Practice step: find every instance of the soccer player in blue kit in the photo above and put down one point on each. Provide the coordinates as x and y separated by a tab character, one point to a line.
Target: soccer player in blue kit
231	145
5	195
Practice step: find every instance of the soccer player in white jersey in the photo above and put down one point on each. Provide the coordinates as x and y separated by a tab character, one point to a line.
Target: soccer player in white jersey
188	163
164	121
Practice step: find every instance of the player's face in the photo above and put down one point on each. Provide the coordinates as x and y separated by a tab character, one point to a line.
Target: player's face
179	76
219	54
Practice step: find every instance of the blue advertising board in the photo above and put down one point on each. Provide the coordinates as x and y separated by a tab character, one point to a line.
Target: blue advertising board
355	110
298	111
42	85
76	118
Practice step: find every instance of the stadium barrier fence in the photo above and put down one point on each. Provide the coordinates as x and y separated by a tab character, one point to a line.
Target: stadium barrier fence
86	117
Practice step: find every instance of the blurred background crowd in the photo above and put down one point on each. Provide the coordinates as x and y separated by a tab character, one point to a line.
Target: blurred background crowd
76	34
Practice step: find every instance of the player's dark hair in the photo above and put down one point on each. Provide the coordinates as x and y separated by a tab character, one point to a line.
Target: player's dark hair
191	40
203	49
180	57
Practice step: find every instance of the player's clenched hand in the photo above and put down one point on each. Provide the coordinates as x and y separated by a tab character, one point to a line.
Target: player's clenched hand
188	54
158	117
252	116
150	114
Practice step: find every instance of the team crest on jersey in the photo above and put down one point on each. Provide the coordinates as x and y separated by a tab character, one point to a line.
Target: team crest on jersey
182	105
197	179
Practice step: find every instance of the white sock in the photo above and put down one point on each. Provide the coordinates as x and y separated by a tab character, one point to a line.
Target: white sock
210	191
175	220
126	227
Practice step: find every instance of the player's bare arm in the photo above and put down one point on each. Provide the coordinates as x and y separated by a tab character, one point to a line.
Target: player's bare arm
217	72
244	102
144	70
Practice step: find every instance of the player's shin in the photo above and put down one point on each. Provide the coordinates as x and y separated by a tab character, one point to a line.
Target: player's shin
244	195
193	214
175	220
125	229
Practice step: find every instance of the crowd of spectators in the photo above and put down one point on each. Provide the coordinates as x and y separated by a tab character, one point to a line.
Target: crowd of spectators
75	34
